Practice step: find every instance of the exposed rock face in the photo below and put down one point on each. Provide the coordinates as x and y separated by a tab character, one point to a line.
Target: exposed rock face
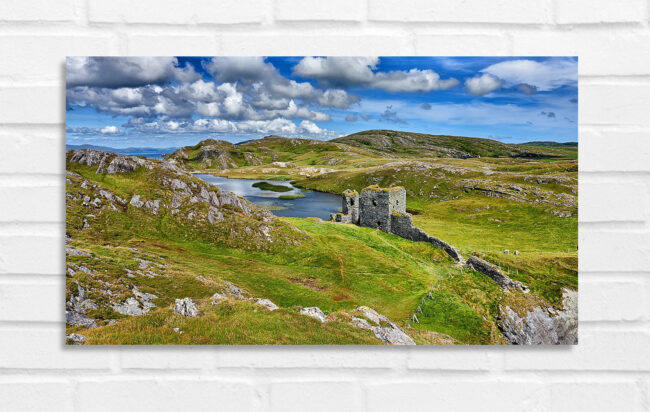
75	339
233	291
76	310
186	307
314	312
381	326
542	326
267	304
495	273
136	306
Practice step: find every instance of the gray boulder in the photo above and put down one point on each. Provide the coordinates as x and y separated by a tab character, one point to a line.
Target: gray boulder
392	336
267	304
135	201
186	307
314	312
75	339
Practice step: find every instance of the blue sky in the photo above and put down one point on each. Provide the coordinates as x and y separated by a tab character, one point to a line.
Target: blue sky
176	101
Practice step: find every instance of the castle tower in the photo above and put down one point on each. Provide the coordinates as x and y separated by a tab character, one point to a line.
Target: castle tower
377	205
350	205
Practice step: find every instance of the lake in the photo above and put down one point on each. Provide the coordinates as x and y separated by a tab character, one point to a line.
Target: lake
314	204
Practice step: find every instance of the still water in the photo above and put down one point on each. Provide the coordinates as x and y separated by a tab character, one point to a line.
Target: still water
314	204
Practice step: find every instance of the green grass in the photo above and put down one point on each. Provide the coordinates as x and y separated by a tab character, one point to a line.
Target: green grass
289	197
230	323
272	187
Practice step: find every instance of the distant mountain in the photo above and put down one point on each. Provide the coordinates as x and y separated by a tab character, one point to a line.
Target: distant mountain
391	143
134	151
550	144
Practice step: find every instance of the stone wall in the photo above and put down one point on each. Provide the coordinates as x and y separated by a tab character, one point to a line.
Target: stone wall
495	273
350	205
402	225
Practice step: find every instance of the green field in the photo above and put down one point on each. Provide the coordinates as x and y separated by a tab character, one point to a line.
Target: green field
515	198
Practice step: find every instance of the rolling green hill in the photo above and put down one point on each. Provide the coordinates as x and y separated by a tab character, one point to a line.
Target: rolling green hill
405	144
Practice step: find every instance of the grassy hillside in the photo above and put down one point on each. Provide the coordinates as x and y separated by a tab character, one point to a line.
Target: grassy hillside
119	252
404	144
146	228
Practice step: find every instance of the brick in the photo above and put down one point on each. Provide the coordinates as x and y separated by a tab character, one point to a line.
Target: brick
454	395
600	52
45	349
45	148
320	396
201	11
301	44
614	103
36	104
450	358
160	357
473	11
193	394
42	255
617	151
594	396
615	200
27	204
613	251
335	10
32	302
46	58
612	300
308	357
598	350
36	396
171	45
599	11
460	45
35	10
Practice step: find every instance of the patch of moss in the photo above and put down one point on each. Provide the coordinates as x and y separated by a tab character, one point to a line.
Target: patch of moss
289	197
271	187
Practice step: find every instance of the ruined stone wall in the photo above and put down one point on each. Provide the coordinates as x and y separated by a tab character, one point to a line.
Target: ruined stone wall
378	204
374	210
350	205
402	225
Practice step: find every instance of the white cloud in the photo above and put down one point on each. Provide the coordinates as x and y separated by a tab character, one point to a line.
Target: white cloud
340	71
310	127
545	75
361	72
115	72
109	130
483	84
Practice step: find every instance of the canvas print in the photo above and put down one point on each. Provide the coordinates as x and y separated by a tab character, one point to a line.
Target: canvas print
321	200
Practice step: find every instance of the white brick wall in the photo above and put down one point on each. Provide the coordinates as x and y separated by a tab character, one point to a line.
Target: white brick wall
607	371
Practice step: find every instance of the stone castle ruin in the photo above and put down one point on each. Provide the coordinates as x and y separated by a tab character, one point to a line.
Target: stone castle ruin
385	209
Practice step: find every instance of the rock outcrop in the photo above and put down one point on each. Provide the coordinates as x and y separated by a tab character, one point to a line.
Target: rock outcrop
186	307
314	312
542	325
385	330
267	304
